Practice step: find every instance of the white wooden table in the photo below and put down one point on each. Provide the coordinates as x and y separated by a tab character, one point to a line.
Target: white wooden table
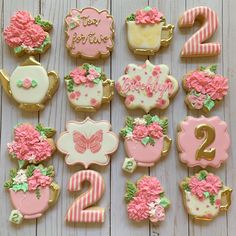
170	171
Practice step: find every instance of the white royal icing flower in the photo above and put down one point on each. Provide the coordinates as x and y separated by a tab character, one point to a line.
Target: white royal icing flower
140	121
20	177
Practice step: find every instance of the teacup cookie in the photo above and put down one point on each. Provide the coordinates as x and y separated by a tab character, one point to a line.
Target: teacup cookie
27	34
147	31
203	141
204	88
89	33
147	86
88	142
145	141
88	87
31	144
205	195
32	191
146	200
29	85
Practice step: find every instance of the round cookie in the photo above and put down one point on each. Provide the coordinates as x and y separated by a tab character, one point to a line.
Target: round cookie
204	88
146	200
88	142
145	141
27	34
205	196
30	85
88	87
147	86
147	31
203	141
89	33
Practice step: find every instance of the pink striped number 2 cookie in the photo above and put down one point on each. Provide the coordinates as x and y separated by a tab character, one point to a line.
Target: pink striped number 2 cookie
80	210
195	46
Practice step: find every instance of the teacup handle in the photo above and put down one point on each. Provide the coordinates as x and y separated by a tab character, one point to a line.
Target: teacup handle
170	29
166	145
54	193
225	199
108	90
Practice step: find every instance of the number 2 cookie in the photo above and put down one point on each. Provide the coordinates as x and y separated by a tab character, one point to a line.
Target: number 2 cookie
147	31
203	141
205	89
89	33
147	86
88	87
204	195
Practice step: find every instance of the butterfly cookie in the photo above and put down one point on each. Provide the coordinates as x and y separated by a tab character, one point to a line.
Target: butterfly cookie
87	142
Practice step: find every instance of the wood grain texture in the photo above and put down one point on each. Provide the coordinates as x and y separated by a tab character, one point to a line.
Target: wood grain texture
58	111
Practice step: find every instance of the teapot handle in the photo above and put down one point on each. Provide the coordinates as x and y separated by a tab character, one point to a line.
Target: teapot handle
54	193
108	86
225	199
53	83
170	29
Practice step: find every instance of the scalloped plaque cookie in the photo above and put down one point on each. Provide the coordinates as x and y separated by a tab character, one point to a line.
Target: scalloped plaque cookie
147	86
204	88
27	34
88	142
205	196
89	33
203	141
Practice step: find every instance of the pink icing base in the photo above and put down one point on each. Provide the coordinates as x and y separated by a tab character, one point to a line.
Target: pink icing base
188	143
28	204
144	155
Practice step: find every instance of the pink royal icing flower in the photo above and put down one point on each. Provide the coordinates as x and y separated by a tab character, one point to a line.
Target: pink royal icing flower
129	99
22	20
93	74
218	87
213	184
78	75
94	102
138	209
12	36
156	71
27	83
197	101
159	214
218	202
198	187
155	130
140	132
33	36
150	16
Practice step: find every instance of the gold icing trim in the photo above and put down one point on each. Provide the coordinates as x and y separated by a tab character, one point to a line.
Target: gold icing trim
54	193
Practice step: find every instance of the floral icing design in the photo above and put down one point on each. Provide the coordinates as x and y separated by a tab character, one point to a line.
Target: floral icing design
146	200
87	142
148	86
27	34
205	88
203	195
27	83
31	144
145	130
147	15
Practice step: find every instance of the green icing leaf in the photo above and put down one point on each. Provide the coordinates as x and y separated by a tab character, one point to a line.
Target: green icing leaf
164	125
70	85
148	119
131	190
34	83
130	122
156	119
86	66
29	170
37	192
13	173
147	8
97	80
18	187
206	194
72	25
45	131
123	132
213	68
202	68
21	163
186	187
50	171
164	202
131	17
19	83
202	175
145	140
209	103
44	44
212	199
46	25
151	141
8	184
18	50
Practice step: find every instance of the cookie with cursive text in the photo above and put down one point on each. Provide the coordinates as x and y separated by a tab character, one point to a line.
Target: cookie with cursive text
89	33
203	141
88	87
205	89
147	86
205	195
27	34
88	142
146	200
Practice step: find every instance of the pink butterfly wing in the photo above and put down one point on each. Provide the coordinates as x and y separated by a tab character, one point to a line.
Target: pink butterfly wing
80	142
95	141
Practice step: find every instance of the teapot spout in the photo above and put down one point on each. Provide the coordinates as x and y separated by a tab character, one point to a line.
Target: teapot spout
4	78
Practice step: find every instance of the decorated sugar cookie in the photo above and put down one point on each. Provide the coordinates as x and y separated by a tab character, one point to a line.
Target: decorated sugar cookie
147	86
32	191
31	144
29	85
205	195
89	33
146	200
145	141
204	88
88	142
88	87
27	34
147	31
83	209
203	141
